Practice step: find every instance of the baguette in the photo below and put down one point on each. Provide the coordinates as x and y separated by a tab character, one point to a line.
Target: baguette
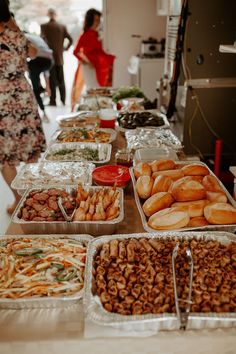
198	221
144	186
187	189
218	197
157	202
142	169
169	219
220	213
161	184
195	169
173	174
162	165
194	208
211	184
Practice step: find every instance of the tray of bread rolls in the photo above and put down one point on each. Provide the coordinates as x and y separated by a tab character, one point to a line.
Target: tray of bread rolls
129	280
174	195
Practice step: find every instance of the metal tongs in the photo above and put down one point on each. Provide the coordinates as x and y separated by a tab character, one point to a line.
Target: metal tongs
67	217
183	316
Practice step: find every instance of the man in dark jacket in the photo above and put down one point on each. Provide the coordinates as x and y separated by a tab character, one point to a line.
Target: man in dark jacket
54	34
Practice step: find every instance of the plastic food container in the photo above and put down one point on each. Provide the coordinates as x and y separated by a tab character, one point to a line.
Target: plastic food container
151	154
94	228
107	118
46	301
111	175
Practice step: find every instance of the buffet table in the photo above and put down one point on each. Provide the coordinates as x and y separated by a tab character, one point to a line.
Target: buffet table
60	330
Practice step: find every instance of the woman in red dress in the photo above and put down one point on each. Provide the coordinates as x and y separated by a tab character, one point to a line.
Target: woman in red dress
95	63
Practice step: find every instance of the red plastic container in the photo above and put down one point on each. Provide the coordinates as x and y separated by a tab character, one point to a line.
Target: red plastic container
107	123
111	175
107	118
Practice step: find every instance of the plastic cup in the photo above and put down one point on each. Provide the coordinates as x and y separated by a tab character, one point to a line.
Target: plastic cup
107	118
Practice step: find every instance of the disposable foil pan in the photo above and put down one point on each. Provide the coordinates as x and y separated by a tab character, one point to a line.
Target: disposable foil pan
49	301
104	151
165	125
111	132
44	173
167	321
152	137
94	228
226	227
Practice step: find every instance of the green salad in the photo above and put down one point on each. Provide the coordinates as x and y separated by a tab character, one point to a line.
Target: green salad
128	91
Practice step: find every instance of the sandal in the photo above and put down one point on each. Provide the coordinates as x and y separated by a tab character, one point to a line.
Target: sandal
11	208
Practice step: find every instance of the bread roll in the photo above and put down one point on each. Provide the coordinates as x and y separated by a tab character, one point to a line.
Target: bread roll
144	186
217	197
161	165
198	221
173	174
161	184
211	184
142	169
157	202
220	213
194	208
178	166
195	169
168	219
187	189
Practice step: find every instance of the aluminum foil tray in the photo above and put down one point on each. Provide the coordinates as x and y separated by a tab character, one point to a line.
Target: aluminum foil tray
167	321
152	137
104	151
155	112
43	302
111	132
226	227
77	119
44	173
94	228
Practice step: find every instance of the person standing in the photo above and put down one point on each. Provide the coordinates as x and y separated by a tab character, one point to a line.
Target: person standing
97	65
21	133
41	64
54	33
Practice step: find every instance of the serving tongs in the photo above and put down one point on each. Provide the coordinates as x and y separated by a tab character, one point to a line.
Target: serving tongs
183	315
67	217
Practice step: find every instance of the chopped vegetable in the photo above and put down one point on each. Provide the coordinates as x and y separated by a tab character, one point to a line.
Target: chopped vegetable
41	267
28	251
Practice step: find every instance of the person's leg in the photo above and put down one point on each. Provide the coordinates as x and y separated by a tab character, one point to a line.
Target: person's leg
9	174
53	85
34	73
61	83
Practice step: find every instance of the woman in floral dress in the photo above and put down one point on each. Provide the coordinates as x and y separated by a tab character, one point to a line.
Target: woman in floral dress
21	134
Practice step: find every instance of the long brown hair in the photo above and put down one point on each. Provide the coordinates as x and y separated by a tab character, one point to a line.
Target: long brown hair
89	18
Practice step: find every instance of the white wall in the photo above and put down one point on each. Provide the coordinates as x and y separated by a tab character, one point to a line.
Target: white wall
122	19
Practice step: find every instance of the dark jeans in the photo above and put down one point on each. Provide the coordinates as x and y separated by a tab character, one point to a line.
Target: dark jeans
56	78
36	67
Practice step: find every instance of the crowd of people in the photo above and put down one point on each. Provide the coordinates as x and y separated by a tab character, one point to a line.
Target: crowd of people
21	133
